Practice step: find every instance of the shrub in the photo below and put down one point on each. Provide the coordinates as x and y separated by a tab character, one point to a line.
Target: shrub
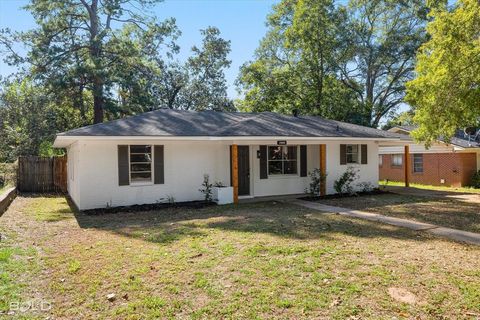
476	179
317	179
365	186
206	188
219	184
344	184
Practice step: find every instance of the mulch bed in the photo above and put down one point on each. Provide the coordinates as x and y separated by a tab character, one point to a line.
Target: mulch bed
150	207
339	196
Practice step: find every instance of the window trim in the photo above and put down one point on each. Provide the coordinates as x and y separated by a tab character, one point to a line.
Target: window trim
392	162
347	153
380	160
413	163
141	183
283	175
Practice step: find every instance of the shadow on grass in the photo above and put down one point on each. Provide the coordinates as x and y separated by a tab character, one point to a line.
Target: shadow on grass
273	218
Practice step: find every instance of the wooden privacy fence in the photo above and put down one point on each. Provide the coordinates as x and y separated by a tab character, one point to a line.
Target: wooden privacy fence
42	174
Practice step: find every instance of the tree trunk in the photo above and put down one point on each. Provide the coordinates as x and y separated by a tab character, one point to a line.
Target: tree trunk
97	100
96	52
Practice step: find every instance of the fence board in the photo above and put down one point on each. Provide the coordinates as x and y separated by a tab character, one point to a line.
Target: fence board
42	174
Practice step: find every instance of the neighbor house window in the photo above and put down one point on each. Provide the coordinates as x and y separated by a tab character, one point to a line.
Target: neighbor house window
380	160
140	163
352	153
397	160
282	160
418	163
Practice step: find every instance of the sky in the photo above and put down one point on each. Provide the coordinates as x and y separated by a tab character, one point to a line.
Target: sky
240	21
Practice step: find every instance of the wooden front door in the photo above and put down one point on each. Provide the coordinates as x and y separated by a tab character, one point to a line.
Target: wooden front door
243	171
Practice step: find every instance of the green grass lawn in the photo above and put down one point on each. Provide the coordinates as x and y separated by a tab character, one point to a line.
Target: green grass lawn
254	261
429	187
443	212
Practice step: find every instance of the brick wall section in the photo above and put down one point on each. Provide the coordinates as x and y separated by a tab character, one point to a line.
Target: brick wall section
455	168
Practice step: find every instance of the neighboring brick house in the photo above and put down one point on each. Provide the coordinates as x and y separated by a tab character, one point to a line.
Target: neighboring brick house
442	164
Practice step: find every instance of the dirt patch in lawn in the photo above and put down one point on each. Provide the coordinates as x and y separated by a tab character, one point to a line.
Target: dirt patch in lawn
443	212
264	260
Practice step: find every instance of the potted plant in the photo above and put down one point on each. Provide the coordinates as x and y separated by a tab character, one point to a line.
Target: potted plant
222	194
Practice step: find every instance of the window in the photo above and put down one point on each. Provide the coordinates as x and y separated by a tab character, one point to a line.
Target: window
418	163
380	160
140	163
352	153
397	160
282	160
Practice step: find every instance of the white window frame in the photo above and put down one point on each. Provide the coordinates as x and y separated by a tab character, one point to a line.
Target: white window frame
380	160
414	167
140	183
352	153
283	161
398	156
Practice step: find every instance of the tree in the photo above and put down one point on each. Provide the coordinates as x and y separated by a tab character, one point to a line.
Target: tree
197	84
342	62
379	44
208	86
29	118
446	92
83	45
294	65
402	119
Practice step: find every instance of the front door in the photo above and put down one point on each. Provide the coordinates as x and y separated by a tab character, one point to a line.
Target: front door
243	171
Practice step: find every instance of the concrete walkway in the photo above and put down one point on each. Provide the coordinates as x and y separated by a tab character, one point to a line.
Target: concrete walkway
455	234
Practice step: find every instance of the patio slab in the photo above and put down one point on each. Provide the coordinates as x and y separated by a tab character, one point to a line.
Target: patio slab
455	234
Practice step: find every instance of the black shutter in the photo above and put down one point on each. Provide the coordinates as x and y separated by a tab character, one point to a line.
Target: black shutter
123	170
343	154
158	165
364	154
263	163
303	161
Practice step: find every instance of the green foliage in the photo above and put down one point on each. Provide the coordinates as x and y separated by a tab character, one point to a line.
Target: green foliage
345	183
402	119
342	62
8	173
294	63
445	93
29	116
87	59
206	188
46	149
317	179
476	180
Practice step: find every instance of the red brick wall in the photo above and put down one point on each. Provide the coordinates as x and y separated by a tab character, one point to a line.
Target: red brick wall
455	168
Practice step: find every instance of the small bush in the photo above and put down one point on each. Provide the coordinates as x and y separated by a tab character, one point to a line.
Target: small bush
476	179
206	188
365	186
317	179
219	184
344	184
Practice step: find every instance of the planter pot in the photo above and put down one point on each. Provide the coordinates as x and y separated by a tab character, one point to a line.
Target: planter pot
223	195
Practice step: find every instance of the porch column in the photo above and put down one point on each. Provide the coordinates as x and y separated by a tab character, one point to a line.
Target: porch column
407	165
234	157
323	168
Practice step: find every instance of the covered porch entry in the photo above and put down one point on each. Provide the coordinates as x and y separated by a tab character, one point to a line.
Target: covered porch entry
263	170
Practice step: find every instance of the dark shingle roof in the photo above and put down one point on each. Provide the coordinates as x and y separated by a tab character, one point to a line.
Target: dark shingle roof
166	122
460	138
